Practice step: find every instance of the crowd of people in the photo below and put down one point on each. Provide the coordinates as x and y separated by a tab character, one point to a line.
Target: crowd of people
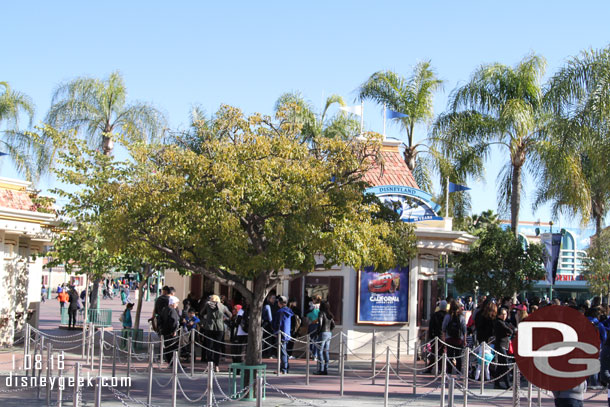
460	323
224	327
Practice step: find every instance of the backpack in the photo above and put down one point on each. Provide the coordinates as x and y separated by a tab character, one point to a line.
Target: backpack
454	327
296	324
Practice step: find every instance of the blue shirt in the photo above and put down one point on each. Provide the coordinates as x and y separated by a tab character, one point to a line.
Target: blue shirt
127	319
267	316
194	320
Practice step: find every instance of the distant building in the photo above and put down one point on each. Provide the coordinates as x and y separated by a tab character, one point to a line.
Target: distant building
24	231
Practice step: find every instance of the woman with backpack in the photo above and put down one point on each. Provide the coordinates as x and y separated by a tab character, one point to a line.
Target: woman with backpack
503	330
454	331
214	314
326	324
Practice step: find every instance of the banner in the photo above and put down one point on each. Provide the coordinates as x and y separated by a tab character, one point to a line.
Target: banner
552	245
383	297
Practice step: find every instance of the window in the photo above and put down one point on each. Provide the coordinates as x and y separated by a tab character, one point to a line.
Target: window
329	288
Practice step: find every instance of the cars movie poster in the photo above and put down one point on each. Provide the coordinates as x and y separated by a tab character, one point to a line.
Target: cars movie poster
382	297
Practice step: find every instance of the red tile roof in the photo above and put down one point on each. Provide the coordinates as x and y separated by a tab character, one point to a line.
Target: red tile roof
13	199
393	171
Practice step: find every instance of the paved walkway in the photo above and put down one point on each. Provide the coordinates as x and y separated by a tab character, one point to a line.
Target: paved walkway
282	390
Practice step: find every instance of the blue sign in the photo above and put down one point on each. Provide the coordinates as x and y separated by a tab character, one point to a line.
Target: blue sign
383	297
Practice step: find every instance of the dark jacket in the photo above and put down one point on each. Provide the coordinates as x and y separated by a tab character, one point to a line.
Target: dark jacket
213	315
435	327
325	324
73	298
604	358
170	321
503	330
484	327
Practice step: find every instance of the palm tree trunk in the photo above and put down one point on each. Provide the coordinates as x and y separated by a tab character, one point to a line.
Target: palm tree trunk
515	198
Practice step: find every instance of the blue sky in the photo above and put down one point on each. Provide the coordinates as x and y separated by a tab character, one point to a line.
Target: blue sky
248	53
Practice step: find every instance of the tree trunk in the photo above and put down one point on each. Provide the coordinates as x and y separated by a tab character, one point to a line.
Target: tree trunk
94	294
107	145
515	198
144	277
255	330
410	156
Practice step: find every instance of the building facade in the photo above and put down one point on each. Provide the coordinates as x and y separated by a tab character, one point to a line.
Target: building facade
24	231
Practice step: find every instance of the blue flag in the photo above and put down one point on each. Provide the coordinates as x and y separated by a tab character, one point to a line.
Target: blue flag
456	187
395	115
1	154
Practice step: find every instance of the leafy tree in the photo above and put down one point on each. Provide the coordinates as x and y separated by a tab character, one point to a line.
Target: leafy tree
412	96
575	175
254	201
98	111
26	152
500	106
498	263
597	271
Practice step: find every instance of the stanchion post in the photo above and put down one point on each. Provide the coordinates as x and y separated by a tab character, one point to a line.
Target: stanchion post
84	342
451	390
373	351
101	352
386	394
162	351
75	400
465	371
26	341
443	378
483	346
192	352
98	391
34	364
210	384
129	350
59	388
415	368
398	354
435	356
341	364
515	385
175	362
529	394
307	358
259	390
151	367
49	358
408	337
539	397
114	352
279	351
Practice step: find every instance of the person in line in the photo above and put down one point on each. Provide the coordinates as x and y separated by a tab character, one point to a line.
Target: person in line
284	318
571	398
126	317
295	325
484	321
73	307
241	333
160	304
312	324
190	322
213	315
435	330
170	322
59	290
593	315
326	324
503	330
43	293
454	331
267	323
63	298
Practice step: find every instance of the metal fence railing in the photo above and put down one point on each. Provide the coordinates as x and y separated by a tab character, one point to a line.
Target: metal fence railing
99	317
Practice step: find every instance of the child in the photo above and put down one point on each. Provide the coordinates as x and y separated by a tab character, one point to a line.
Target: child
126	317
488	358
189	323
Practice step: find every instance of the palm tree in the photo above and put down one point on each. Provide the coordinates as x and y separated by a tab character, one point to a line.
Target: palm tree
502	106
98	110
20	146
413	97
575	170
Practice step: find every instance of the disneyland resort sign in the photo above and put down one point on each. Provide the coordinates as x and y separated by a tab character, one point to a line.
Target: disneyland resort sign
411	204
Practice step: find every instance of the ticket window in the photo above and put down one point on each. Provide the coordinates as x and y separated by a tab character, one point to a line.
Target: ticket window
329	288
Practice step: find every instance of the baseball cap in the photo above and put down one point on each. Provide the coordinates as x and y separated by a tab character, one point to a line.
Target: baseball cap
173	300
282	299
443	306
